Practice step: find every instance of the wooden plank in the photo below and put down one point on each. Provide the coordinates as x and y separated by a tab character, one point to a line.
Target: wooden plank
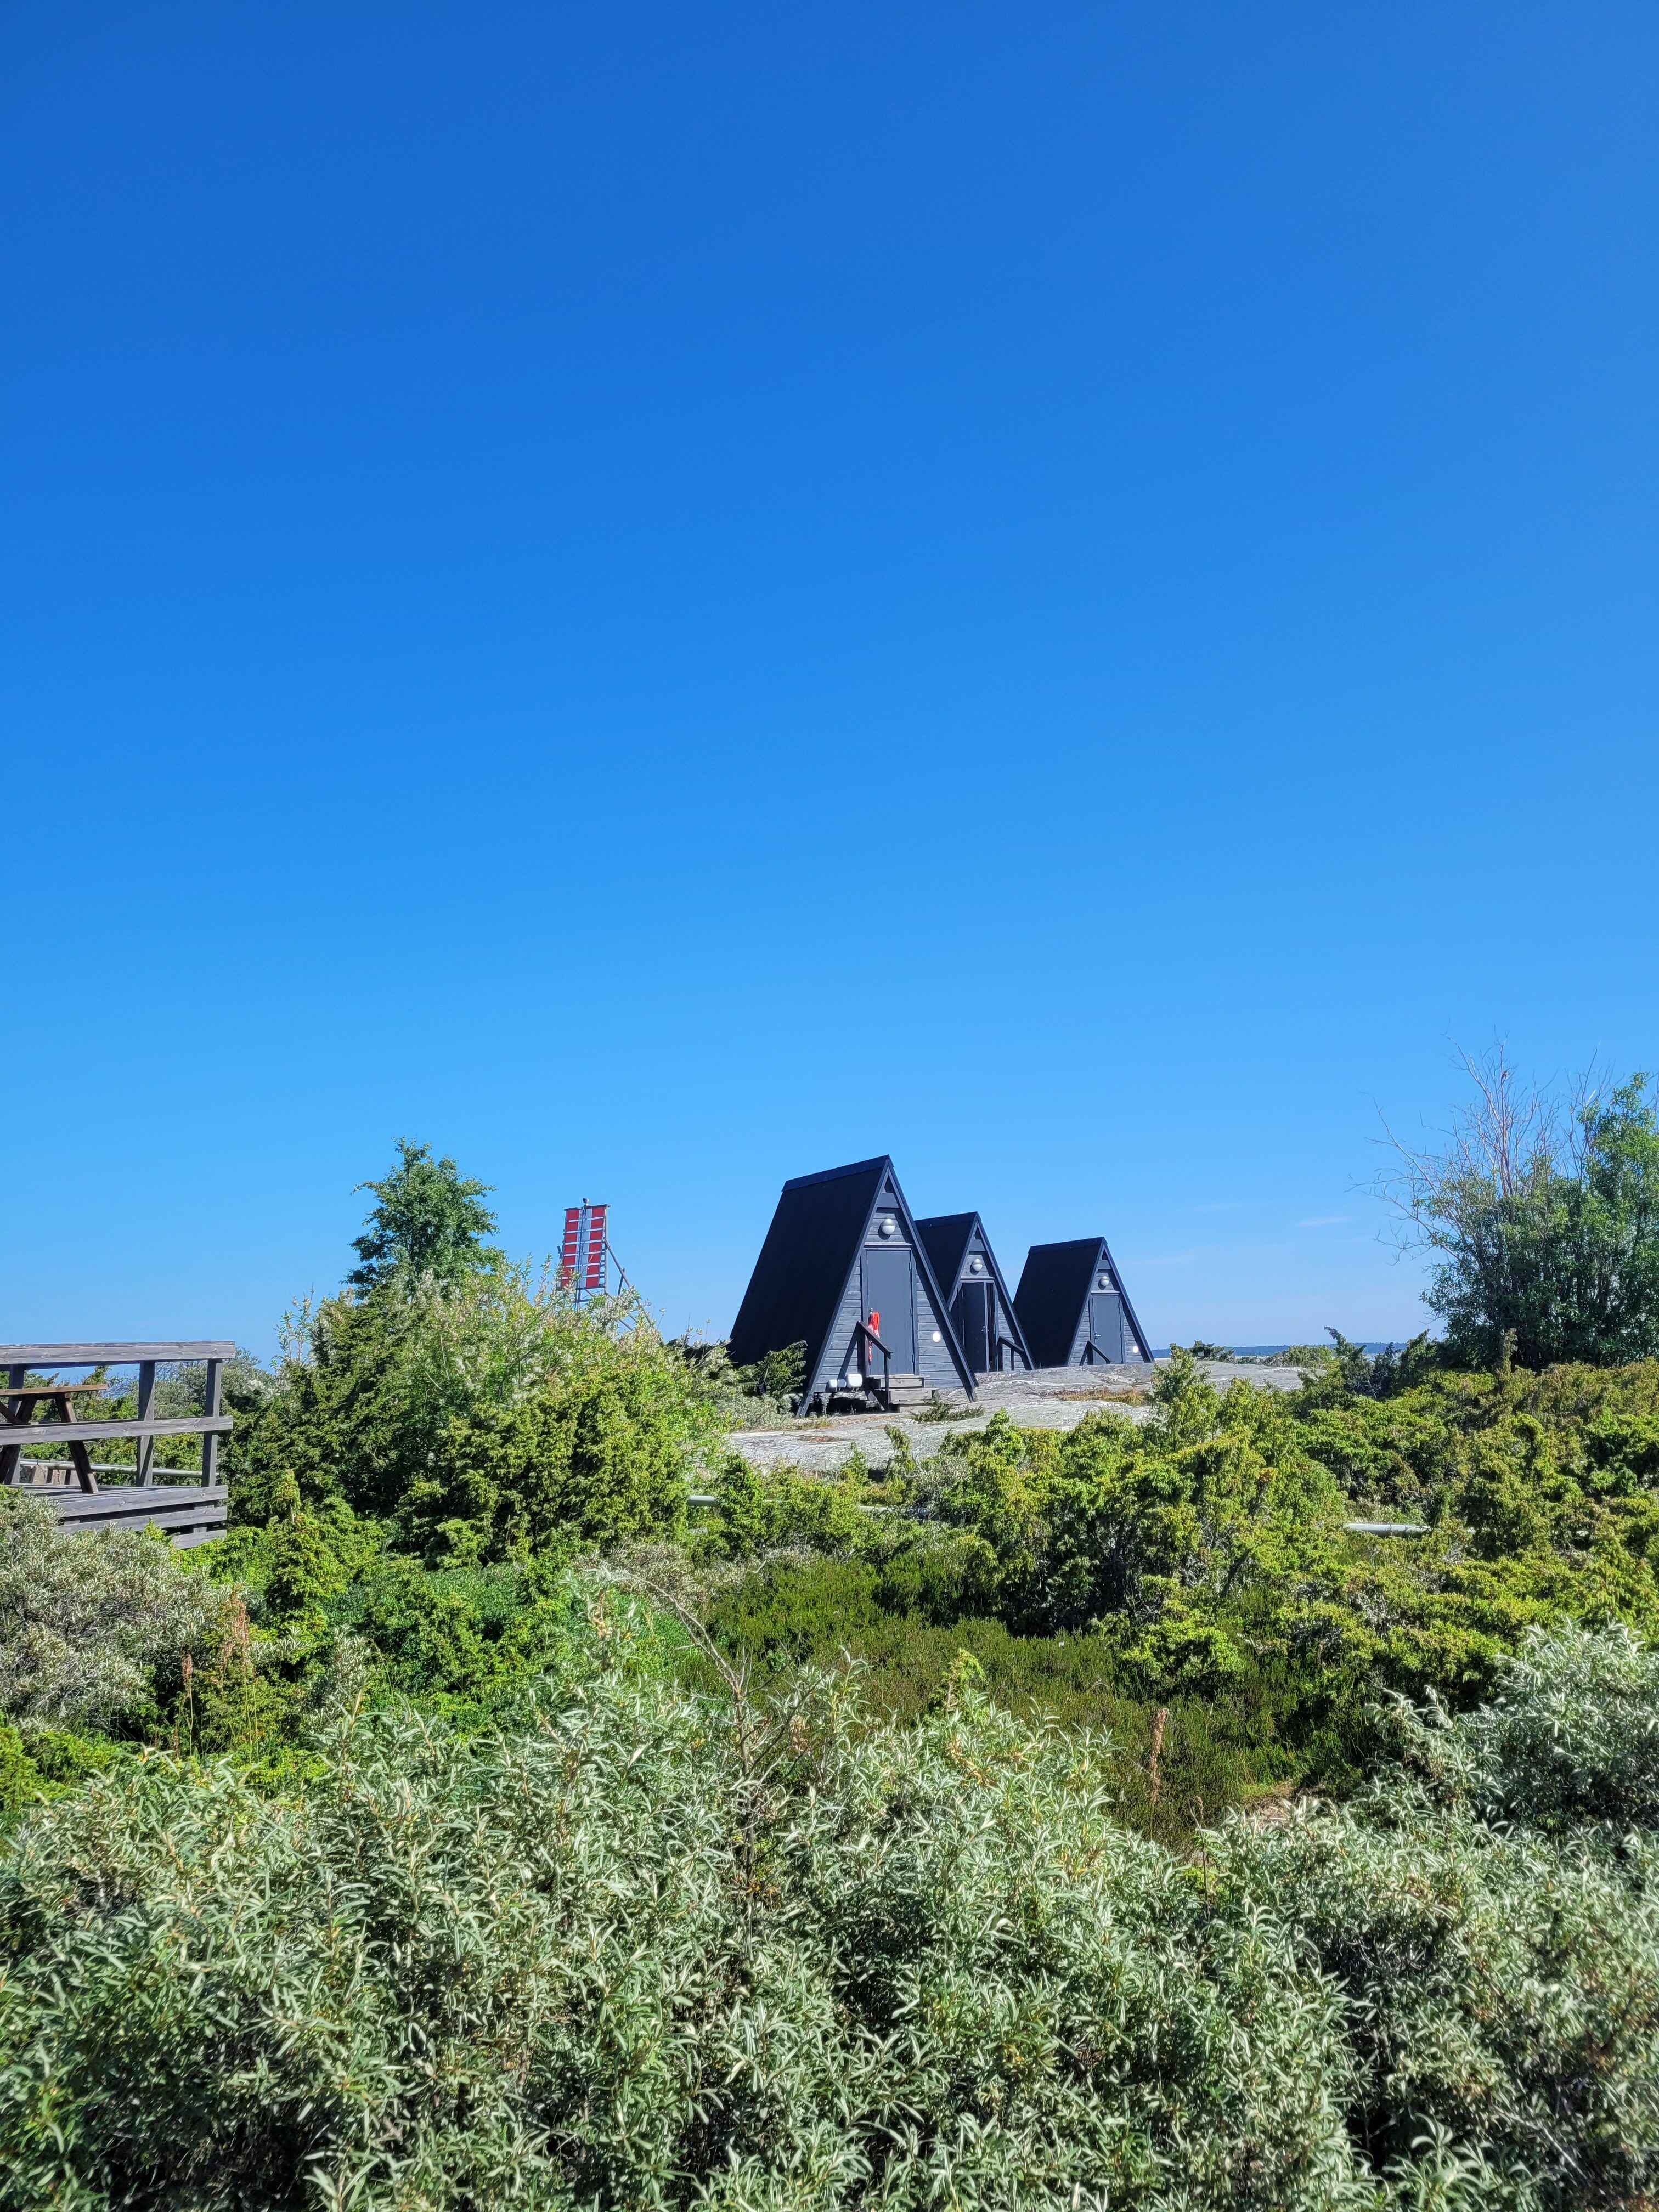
84	1432
145	1452
155	1496
50	1389
107	1355
157	1516
210	1403
177	1513
150	1516
183	1530
34	1470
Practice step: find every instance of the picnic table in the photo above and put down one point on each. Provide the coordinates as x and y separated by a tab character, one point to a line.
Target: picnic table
190	1512
21	1400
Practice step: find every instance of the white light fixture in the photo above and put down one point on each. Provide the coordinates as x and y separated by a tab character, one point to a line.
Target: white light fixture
937	1339
976	1266
887	1227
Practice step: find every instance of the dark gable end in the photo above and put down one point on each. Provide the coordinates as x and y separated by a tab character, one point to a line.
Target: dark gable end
952	1240
1052	1302
1135	1338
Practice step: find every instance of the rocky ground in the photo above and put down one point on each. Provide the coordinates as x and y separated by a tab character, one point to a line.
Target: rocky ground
1048	1398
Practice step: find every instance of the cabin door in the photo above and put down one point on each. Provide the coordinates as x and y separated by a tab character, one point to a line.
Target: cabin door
889	1290
972	1318
1106	1323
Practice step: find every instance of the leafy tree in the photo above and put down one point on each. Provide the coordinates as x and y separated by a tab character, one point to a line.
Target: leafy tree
445	1388
1542	1215
428	1219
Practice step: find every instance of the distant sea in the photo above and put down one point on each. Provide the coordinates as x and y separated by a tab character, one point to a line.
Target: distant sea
1262	1351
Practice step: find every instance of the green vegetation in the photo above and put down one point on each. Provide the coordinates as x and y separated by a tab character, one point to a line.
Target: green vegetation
637	1948
940	1408
1064	1820
428	1219
1542	1215
762	1394
94	1630
479	1407
1198	1564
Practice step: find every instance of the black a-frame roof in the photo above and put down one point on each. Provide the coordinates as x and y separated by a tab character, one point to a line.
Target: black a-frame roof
1052	1300
808	1269
948	1237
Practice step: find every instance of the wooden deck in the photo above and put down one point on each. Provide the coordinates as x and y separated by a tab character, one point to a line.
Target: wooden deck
190	1512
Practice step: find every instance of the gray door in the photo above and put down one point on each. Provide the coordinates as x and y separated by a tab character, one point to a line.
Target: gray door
974	1325
889	1290
1106	1322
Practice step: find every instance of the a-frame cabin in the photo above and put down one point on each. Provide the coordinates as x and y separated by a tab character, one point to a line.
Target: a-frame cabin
982	1311
1074	1310
843	1262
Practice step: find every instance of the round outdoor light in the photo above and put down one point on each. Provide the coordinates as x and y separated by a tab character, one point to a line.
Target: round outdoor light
887	1227
937	1339
1103	1282
977	1267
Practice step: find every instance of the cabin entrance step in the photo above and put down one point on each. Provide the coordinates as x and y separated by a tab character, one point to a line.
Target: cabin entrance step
906	1390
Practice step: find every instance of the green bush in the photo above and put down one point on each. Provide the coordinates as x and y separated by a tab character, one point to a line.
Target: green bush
760	1510
599	1453
465	1634
482	1417
39	1762
1569	1743
650	1950
1203	1554
95	1628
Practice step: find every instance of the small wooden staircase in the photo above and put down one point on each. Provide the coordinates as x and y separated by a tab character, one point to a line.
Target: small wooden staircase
904	1393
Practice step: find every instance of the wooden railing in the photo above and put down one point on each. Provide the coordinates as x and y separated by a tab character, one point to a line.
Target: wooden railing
862	1330
190	1510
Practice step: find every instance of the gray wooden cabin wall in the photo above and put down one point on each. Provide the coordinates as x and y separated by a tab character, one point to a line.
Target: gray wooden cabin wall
934	1363
1002	1315
1126	1347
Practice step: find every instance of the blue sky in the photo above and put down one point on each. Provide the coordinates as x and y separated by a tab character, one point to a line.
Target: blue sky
663	597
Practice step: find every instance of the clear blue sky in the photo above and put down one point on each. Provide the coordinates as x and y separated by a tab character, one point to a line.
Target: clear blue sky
665	597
